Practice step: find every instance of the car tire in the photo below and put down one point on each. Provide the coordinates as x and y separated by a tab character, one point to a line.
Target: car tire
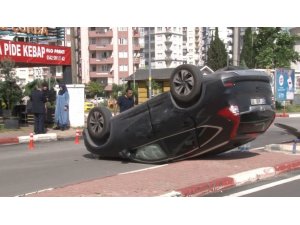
98	122
185	84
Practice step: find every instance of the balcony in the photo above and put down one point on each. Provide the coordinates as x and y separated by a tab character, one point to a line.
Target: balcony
136	60
136	47
109	60
108	47
136	34
96	33
168	52
168	59
168	43
101	74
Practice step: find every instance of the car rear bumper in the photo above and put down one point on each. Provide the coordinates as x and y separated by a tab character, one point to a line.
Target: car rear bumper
256	120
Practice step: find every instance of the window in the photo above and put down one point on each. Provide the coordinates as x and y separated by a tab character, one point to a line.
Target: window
94	68
93	55
93	28
159	29
104	41
93	41
123	55
122	41
104	68
123	68
122	28
103	55
190	44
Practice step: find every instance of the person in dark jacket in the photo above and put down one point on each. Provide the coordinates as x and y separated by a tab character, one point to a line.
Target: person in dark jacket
126	101
38	100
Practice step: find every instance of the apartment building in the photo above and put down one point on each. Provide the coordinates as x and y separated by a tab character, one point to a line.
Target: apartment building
109	54
166	46
192	42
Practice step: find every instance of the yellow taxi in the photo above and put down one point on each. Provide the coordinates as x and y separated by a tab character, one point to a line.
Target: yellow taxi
88	106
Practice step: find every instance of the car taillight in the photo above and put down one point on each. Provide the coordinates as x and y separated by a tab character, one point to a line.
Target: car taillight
232	114
228	84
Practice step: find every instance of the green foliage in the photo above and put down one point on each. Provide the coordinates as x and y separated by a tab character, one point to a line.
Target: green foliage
247	54
216	54
29	87
121	88
10	92
274	48
94	88
116	89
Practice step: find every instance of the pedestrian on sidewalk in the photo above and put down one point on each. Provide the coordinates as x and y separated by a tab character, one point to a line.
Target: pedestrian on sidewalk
126	101
38	100
62	108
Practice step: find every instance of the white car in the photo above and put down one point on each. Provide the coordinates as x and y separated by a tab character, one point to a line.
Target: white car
98	100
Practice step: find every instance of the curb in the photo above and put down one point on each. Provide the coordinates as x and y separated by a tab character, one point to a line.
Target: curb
282	115
38	138
11	140
235	180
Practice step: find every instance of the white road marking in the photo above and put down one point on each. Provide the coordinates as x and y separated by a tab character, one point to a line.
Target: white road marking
149	168
256	189
35	192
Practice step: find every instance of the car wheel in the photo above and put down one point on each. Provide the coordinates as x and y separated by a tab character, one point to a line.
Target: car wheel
185	84
98	122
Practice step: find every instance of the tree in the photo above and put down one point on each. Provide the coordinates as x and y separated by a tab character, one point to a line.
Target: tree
116	89
10	92
216	54
274	48
94	88
247	54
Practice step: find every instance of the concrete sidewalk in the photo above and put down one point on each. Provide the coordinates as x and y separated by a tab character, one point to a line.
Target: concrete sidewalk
186	178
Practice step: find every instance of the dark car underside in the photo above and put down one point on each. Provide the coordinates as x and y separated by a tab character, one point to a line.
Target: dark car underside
209	115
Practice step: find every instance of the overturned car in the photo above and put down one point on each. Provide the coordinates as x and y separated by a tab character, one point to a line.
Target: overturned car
200	115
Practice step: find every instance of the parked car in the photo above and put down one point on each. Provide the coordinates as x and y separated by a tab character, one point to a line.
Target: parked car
98	100
201	115
88	106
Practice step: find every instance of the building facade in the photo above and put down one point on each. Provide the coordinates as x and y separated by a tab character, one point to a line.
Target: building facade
108	55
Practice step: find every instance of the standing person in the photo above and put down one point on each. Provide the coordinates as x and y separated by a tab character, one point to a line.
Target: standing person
126	101
46	94
38	100
62	108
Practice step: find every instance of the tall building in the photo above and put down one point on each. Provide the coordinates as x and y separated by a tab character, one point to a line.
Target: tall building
166	47
192	42
108	55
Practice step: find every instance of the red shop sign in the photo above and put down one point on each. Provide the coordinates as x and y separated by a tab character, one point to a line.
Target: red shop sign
24	52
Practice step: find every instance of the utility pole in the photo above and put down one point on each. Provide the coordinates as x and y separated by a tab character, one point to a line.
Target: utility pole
149	64
73	55
236	46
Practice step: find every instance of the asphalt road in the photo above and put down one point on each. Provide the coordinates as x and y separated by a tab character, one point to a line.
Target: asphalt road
284	185
51	165
61	163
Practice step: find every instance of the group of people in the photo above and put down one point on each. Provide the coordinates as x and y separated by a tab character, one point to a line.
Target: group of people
39	98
